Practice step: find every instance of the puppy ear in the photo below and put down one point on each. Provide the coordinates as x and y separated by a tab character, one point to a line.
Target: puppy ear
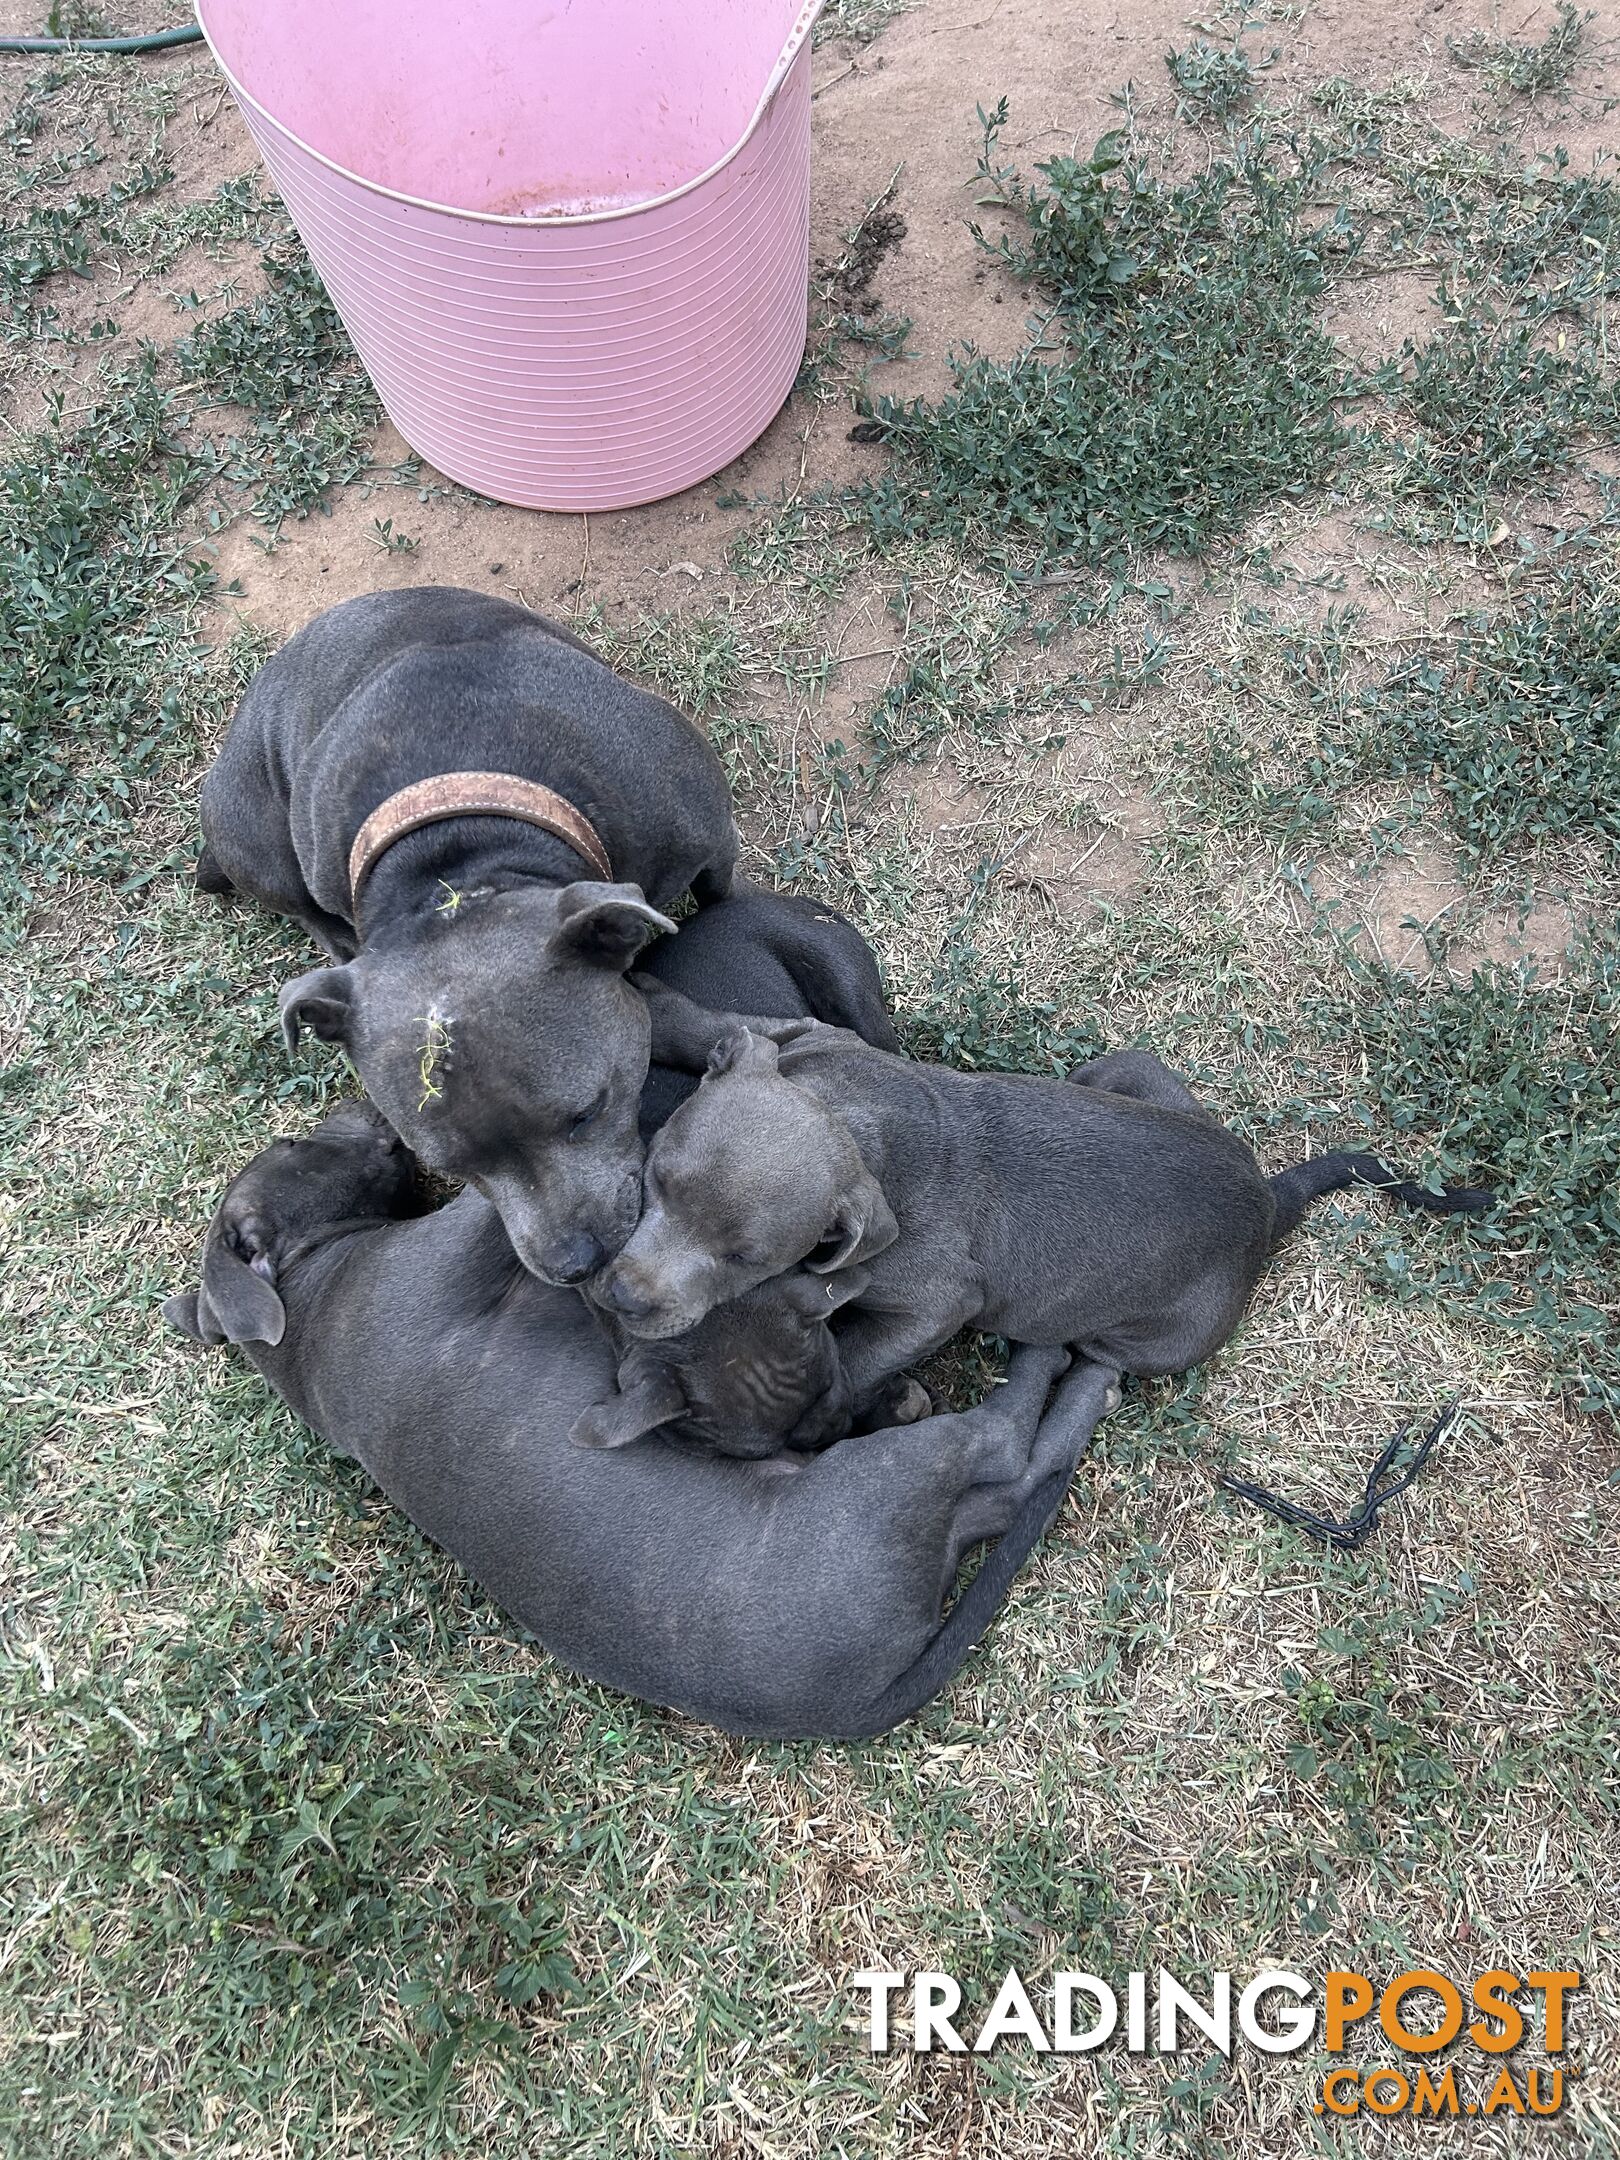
740	1050
606	925
814	1297
181	1312
322	1001
238	1302
862	1226
623	1418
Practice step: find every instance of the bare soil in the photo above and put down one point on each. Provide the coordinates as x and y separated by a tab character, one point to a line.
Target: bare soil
898	112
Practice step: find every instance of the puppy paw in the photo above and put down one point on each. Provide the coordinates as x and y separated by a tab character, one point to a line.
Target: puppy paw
783	1032
912	1403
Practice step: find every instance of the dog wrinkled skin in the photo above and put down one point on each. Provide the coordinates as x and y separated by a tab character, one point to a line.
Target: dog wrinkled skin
457	1036
759	1373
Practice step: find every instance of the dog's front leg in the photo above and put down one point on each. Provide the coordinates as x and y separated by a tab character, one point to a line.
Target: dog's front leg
875	1343
686	1035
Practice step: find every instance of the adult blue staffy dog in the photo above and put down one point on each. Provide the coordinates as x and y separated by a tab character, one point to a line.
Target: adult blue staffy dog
480	822
786	1599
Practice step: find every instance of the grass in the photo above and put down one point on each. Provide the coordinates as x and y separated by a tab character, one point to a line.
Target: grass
81	118
1192	305
856	22
1492	410
99	685
1512	722
1500	731
285	359
1105	733
1505	1079
1212	81
102	686
54	134
1528	69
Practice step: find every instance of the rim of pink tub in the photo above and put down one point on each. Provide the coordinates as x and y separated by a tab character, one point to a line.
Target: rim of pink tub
785	59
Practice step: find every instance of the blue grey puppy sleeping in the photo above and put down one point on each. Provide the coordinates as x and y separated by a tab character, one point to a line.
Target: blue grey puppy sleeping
1108	1210
762	1372
792	1598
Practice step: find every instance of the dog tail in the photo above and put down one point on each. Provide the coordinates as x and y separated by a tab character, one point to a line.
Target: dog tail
1295	1189
972	1613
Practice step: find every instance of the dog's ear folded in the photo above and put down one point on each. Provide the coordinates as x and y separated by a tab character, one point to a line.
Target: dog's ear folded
322	1001
234	1305
863	1225
740	1050
650	1402
238	1303
607	925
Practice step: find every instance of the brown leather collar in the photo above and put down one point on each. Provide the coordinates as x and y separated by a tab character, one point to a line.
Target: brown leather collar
471	794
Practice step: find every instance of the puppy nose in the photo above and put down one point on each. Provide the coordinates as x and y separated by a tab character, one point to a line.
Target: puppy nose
619	1295
571	1259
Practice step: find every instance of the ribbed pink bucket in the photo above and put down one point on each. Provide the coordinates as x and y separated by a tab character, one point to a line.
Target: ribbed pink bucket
569	238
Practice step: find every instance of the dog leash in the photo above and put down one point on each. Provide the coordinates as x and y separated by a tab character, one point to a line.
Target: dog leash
1347	1536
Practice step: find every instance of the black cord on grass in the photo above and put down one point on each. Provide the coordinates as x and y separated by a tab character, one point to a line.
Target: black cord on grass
1346	1536
155	41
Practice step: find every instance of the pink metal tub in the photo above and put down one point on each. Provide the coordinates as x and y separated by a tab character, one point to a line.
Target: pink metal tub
570	238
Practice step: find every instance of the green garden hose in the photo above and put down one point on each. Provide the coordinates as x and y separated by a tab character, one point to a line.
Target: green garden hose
154	43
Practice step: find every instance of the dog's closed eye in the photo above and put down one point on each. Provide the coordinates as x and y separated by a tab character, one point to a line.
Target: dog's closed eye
588	1116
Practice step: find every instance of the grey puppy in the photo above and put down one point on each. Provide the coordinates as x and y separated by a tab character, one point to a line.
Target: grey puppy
780	1599
762	1372
759	1373
756	1375
481	991
1114	1214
